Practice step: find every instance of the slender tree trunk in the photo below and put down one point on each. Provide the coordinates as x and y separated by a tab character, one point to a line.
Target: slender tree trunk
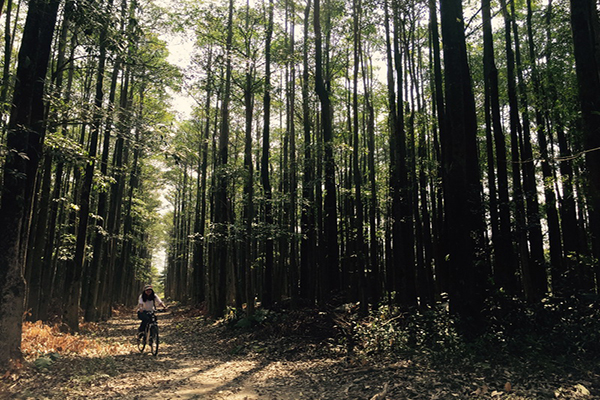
505	271
267	297
115	279
198	264
535	278
74	282
374	279
308	224
330	269
293	175
360	259
8	48
247	248
555	244
219	265
92	313
515	138
438	226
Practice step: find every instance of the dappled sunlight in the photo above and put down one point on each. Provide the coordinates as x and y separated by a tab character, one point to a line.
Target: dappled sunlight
225	377
201	359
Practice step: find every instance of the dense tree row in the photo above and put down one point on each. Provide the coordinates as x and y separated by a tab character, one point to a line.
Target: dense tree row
371	150
357	151
78	196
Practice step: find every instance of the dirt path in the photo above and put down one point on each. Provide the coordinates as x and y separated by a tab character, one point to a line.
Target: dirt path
196	360
201	360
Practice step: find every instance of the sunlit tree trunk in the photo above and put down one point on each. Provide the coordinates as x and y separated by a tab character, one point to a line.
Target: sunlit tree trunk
268	288
8	50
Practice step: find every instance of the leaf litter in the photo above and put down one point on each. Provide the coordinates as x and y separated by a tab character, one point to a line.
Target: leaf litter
203	359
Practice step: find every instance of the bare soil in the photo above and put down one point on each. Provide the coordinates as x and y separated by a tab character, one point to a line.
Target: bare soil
201	359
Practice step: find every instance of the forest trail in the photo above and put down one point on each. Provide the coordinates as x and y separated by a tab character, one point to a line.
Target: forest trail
197	359
200	359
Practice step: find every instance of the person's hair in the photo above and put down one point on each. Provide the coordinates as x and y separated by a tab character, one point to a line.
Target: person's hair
146	297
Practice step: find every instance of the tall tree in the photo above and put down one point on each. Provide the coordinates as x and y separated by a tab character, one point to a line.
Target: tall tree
25	136
75	271
461	176
268	288
358	270
586	39
218	266
308	215
329	278
505	271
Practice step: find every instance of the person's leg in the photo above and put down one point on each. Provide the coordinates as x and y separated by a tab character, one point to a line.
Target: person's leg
144	320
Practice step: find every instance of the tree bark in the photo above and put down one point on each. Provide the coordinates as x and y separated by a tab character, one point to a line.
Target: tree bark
586	40
268	289
330	268
219	264
24	142
461	179
505	271
75	271
307	218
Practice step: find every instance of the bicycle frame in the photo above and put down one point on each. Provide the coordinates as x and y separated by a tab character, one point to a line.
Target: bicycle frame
150	335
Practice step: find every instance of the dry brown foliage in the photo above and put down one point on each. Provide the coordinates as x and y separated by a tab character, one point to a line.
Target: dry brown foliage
40	339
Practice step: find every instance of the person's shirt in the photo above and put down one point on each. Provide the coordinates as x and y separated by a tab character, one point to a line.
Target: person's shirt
148	305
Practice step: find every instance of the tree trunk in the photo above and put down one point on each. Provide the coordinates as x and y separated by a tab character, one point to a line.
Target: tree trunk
219	264
535	278
8	49
359	261
586	39
505	271
461	179
24	141
307	218
267	294
198	264
330	269
92	313
74	283
554	235
293	165
247	248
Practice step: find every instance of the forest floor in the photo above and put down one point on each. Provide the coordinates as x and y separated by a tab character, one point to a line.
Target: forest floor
201	359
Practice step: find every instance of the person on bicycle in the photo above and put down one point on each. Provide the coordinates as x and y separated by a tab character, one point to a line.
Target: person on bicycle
146	304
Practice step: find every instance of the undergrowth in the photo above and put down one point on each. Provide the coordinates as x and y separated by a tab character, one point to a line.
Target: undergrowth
556	330
41	340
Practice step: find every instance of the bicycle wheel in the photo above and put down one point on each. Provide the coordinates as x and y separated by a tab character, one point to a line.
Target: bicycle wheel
153	341
141	341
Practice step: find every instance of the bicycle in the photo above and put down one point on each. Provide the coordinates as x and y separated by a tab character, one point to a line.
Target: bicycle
149	336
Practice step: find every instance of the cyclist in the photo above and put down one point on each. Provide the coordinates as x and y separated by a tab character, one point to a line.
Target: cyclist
146	304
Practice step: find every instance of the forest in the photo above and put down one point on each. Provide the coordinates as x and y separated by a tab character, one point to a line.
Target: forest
404	155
